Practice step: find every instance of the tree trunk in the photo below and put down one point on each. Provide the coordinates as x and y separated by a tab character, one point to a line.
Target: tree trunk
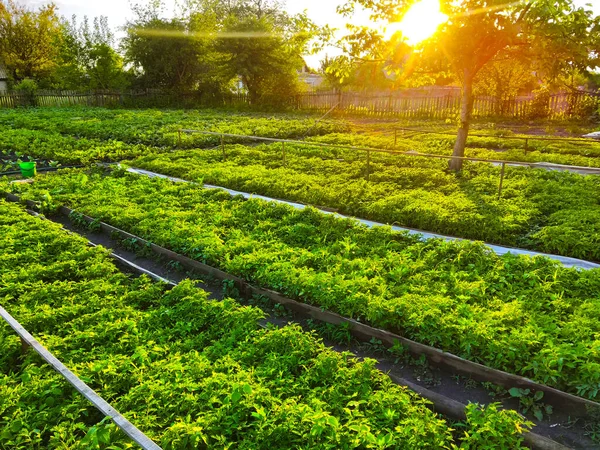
466	109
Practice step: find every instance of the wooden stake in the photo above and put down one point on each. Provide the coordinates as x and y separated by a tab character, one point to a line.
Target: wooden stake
24	346
501	180
223	147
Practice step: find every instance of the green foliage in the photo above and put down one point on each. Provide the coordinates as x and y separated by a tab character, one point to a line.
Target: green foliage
468	42
539	210
87	57
208	46
189	372
492	428
29	39
267	64
531	403
27	86
67	149
166	52
127	131
456	295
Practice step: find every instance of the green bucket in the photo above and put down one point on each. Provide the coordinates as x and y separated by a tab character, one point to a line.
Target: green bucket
28	169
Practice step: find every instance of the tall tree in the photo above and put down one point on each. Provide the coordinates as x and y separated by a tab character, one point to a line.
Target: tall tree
555	33
211	43
503	78
265	51
169	53
88	58
29	39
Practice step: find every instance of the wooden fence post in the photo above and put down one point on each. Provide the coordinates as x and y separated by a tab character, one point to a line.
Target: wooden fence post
283	152
24	346
223	147
179	138
501	180
395	137
368	164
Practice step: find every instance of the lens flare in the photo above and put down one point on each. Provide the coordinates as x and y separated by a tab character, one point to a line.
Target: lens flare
419	23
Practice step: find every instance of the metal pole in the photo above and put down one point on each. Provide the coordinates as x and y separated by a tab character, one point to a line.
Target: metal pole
283	152
368	164
501	180
223	147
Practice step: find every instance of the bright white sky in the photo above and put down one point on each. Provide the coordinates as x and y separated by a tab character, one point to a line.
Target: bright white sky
321	12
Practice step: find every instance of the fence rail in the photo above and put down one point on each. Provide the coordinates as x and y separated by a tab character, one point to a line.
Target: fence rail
147	98
445	105
407	104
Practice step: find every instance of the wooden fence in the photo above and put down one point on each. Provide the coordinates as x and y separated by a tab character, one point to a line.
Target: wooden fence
442	106
147	98
407	104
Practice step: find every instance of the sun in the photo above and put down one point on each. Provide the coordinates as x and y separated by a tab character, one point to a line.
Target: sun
419	23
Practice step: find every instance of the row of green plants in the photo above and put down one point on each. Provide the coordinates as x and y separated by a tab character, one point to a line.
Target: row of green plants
528	316
47	145
159	128
189	372
499	145
552	212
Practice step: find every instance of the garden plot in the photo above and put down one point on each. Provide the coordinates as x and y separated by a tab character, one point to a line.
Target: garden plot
453	295
548	212
188	382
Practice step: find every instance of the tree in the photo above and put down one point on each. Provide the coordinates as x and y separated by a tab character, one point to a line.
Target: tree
87	57
211	43
169	53
555	34
29	40
261	45
265	59
333	80
504	78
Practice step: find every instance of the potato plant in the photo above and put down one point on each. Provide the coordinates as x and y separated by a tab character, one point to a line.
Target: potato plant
158	128
550	212
189	372
529	316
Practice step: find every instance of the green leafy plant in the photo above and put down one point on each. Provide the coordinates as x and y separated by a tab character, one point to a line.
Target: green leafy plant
505	433
456	296
531	402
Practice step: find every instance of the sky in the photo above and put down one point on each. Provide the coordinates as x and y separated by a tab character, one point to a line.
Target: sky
322	12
